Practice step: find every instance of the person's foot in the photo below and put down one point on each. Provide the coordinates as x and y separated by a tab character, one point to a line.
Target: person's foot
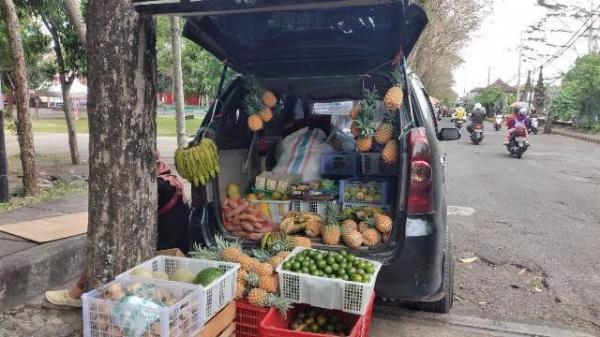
62	298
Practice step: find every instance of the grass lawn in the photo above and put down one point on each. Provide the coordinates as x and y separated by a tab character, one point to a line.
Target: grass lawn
165	125
58	190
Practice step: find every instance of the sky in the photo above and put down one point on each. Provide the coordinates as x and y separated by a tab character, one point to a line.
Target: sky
495	46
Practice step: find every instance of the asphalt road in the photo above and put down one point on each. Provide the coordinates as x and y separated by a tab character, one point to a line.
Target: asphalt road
535	228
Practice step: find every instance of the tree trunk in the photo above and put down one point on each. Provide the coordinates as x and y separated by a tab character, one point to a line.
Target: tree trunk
66	81
548	124
73	146
73	9
178	81
24	133
121	53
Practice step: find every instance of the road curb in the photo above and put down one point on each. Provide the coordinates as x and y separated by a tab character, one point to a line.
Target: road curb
26	274
583	137
475	325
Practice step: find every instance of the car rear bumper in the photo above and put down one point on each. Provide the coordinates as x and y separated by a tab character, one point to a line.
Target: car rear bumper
415	274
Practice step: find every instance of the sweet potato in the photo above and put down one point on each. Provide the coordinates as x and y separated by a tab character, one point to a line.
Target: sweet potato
256	236
247	226
239	210
248	217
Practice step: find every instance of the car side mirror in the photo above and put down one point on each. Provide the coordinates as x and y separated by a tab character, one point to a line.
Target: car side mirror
447	134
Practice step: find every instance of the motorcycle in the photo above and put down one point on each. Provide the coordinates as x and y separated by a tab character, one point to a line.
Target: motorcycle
477	134
518	142
459	123
498	122
533	125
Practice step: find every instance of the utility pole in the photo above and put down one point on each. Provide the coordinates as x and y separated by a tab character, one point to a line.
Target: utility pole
519	70
489	75
3	163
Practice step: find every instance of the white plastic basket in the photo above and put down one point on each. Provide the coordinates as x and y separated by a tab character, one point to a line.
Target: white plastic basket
217	294
134	317
277	208
311	206
327	293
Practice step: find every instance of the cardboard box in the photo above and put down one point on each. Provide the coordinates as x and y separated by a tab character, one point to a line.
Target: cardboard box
171	252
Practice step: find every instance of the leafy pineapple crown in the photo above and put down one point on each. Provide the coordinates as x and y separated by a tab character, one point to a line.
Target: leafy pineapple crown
253	101
332	215
398	78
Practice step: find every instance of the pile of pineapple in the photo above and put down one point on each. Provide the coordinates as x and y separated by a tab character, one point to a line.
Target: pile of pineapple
259	104
256	280
356	227
363	115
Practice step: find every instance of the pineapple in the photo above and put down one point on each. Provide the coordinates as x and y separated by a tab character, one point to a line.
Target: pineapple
385	131
240	290
364	139
367	223
255	123
263	269
261	254
394	96
331	232
266	114
371	237
355	111
349	225
390	152
257	297
269	99
249	263
353	239
261	298
269	284
313	228
300	241
252	279
383	223
242	273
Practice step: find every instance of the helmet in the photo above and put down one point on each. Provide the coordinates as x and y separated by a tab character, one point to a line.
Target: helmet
523	112
478	106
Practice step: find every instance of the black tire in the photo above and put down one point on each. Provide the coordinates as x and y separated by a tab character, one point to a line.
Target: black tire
519	154
444	305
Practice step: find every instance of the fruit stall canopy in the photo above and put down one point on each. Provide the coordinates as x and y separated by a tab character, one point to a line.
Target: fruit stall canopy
301	37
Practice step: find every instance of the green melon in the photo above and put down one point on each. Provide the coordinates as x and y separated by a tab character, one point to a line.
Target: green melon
207	276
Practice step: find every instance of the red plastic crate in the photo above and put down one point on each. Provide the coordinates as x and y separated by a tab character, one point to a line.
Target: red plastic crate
274	325
248	318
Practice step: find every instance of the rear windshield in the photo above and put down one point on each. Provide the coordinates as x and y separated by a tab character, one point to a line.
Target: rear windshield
254	29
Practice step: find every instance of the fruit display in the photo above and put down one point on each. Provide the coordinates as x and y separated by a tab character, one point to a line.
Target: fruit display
205	277
198	163
259	103
130	308
320	321
309	224
256	279
244	220
324	189
370	192
342	265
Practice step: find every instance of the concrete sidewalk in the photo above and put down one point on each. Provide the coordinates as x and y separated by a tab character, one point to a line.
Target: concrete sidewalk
28	268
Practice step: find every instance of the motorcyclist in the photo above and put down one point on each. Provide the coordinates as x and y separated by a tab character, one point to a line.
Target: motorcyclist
460	113
477	117
514	122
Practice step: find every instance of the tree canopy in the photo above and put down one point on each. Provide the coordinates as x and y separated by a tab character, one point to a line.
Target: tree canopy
579	95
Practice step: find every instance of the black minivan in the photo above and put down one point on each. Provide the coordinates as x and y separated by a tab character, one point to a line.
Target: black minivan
323	51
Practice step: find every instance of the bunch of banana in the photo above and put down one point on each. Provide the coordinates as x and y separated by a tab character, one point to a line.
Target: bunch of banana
199	163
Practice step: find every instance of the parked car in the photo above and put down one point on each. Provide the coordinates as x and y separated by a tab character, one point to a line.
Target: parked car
319	51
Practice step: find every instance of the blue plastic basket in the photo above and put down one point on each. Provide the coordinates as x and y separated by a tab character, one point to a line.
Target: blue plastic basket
365	192
338	164
372	164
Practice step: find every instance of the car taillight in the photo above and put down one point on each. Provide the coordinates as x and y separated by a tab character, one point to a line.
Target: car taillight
420	192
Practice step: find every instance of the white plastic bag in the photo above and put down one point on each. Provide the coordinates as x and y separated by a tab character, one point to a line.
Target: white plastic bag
300	153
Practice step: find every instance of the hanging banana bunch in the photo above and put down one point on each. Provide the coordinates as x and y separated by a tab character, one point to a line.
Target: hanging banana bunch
199	163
